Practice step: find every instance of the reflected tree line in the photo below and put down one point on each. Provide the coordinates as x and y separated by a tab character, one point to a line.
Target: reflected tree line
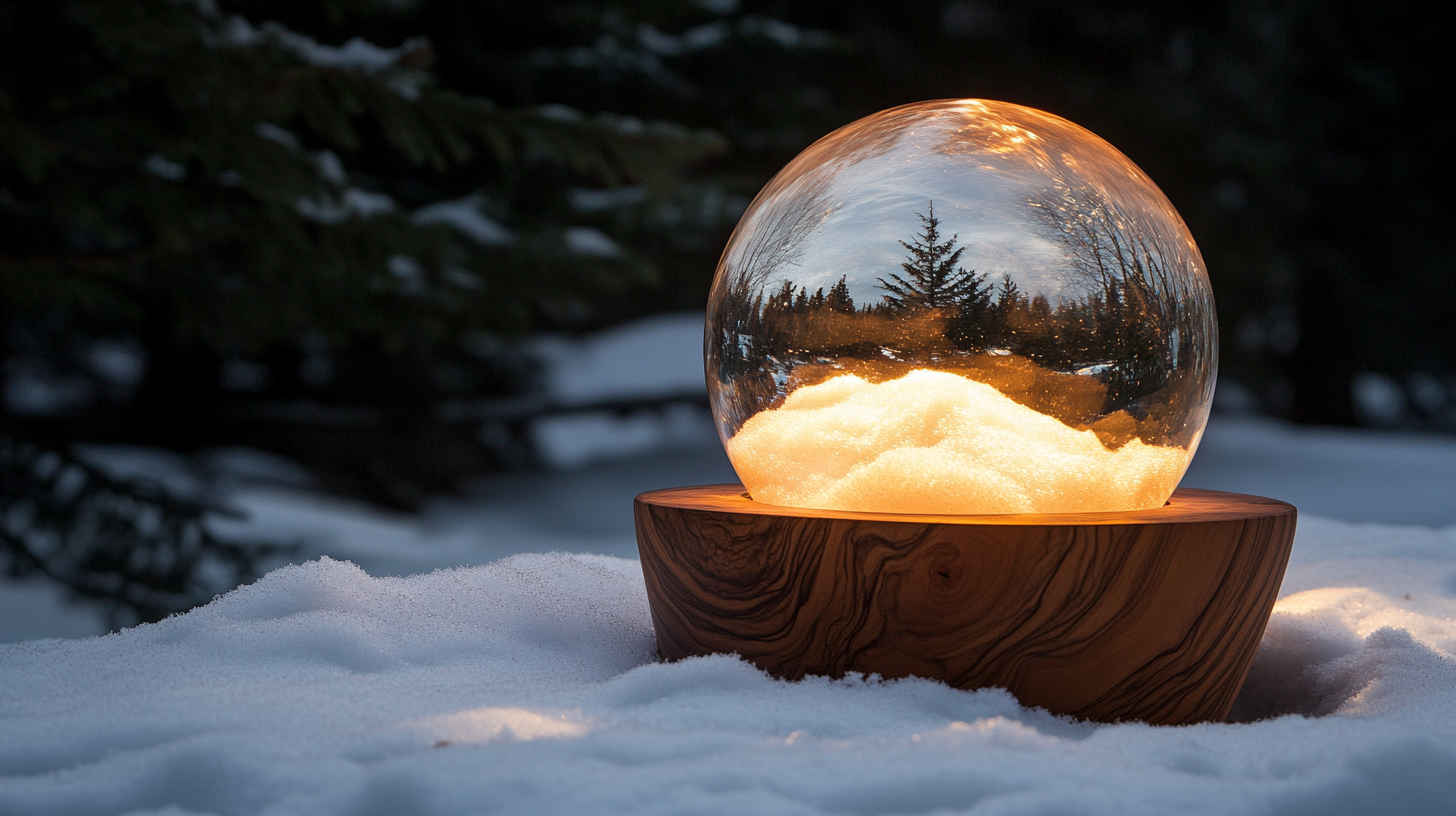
1094	359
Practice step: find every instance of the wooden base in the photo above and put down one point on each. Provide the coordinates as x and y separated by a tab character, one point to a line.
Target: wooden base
1149	615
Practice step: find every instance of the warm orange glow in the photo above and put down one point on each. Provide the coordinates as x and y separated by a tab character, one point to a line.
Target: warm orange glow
934	442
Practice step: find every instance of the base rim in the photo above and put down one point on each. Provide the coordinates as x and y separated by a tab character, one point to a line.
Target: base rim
1185	505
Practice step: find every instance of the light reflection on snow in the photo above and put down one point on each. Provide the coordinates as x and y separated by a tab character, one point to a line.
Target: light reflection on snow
484	726
999	732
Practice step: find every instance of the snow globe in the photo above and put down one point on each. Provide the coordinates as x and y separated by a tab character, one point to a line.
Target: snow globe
960	354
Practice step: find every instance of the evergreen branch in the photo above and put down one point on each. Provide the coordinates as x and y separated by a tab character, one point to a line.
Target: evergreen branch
141	551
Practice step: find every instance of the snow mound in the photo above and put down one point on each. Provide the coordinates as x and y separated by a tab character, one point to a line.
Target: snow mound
937	442
530	685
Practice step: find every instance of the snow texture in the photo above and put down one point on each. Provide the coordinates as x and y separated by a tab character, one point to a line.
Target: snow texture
276	134
568	441
464	215
355	55
611	198
656	357
937	442
163	167
352	202
529	685
591	242
644	49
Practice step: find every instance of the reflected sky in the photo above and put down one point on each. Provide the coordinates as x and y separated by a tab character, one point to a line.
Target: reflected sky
980	163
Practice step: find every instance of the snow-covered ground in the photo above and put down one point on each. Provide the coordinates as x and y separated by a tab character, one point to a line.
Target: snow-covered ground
523	679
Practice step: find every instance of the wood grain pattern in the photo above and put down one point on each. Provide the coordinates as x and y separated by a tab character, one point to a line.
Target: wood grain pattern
1149	615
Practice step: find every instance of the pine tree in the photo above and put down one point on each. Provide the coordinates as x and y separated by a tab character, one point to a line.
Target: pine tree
934	279
132	546
781	303
838	299
181	179
1006	312
974	325
1008	296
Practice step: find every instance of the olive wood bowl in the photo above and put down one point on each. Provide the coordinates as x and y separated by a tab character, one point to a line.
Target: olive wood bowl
1151	615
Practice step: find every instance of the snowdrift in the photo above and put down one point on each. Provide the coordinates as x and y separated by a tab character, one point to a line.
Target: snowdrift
530	685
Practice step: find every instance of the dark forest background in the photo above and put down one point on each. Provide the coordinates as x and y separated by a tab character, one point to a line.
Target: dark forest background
228	223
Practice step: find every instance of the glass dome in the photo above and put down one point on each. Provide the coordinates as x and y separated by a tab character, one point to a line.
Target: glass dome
961	306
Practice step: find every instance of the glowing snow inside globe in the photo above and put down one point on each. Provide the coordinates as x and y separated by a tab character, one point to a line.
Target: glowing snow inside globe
961	307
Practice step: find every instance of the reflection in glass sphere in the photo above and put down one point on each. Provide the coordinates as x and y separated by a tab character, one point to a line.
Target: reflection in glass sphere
961	306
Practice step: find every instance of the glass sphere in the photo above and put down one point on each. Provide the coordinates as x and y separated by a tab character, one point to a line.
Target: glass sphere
964	307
